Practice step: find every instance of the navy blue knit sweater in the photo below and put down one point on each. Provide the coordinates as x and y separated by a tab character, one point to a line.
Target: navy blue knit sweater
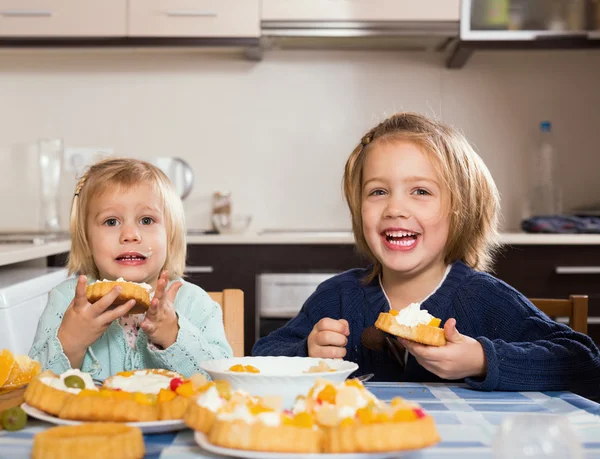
525	350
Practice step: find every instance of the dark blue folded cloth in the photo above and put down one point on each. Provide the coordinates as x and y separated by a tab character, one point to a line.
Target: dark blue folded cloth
561	224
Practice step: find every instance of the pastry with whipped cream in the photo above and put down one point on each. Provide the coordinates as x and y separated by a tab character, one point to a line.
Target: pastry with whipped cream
412	323
259	424
354	420
50	392
140	292
149	381
211	398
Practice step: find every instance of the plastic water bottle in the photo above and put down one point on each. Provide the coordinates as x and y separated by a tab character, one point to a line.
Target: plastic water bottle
544	197
537	436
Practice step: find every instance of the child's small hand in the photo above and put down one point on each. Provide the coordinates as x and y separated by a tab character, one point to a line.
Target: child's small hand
83	322
461	357
161	324
328	339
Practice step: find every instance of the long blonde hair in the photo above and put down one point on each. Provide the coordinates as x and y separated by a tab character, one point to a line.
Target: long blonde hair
474	201
125	172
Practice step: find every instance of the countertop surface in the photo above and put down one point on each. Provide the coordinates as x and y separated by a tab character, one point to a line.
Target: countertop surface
16	253
342	237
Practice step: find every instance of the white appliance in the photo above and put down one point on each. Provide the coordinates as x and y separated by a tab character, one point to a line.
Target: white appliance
23	297
279	297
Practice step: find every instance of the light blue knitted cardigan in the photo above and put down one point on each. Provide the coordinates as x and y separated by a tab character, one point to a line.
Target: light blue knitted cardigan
201	337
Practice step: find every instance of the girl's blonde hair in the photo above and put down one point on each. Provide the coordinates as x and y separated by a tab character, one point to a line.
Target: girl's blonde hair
115	173
474	201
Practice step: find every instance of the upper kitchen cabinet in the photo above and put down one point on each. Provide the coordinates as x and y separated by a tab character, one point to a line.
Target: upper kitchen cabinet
63	18
360	10
526	24
194	18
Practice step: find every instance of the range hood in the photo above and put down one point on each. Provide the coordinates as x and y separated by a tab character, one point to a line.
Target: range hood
360	24
398	35
525	24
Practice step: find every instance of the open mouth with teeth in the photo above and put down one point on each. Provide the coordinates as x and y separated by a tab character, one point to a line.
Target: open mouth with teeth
401	238
131	257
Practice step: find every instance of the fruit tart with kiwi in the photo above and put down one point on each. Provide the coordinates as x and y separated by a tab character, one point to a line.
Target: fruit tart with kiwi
414	324
50	392
258	424
354	420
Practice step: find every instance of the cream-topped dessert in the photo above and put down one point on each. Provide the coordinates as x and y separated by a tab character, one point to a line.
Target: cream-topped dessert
72	381
145	286
211	399
145	381
413	315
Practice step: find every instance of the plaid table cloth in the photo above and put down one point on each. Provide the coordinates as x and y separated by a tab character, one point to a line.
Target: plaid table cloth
466	419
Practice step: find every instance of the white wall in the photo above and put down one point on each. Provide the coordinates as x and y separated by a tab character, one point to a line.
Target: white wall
277	133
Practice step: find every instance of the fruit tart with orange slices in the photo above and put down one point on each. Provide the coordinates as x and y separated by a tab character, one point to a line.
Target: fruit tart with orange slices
412	323
202	409
258	424
50	392
354	420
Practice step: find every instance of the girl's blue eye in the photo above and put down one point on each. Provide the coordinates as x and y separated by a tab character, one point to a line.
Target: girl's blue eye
111	222
421	192
147	220
377	193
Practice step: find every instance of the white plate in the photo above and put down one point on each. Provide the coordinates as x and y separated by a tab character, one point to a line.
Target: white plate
285	376
146	427
209	447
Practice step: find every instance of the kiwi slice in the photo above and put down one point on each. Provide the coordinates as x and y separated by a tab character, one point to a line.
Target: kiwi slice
74	382
14	418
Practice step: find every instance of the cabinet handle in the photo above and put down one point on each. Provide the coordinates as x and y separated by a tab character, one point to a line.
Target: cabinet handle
26	13
191	13
577	270
199	269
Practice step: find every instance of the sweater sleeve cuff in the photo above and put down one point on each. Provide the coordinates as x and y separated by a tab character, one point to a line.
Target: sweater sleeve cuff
177	357
492	379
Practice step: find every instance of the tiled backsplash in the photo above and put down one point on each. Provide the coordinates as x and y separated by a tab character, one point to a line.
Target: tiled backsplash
277	133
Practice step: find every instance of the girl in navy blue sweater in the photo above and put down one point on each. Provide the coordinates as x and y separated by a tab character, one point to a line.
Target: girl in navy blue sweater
425	211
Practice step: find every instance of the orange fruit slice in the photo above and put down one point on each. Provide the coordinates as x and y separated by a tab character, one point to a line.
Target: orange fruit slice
23	371
7	362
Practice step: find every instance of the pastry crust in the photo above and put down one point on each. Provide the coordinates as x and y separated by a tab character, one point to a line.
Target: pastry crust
130	291
107	408
381	437
260	437
46	398
199	418
424	334
89	441
173	409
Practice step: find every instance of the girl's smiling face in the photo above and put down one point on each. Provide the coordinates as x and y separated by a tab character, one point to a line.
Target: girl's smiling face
127	234
405	220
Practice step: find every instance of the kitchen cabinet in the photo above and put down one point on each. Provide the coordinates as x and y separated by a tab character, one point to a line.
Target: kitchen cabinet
194	18
63	18
360	10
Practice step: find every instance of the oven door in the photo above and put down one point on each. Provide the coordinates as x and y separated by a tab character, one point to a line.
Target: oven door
279	297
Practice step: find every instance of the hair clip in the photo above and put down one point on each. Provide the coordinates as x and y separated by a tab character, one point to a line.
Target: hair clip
366	140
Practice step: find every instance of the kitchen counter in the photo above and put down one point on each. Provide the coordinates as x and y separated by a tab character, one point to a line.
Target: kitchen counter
16	253
316	237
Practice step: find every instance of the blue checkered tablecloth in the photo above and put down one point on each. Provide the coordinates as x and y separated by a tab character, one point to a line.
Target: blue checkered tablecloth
467	421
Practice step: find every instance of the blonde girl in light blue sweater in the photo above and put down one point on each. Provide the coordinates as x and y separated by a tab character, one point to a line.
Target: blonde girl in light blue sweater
128	222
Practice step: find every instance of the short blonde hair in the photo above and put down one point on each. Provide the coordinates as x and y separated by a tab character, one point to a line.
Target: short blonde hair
474	201
125	172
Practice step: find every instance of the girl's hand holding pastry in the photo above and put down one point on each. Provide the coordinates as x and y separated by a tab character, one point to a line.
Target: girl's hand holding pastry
328	339
161	324
461	357
83	322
